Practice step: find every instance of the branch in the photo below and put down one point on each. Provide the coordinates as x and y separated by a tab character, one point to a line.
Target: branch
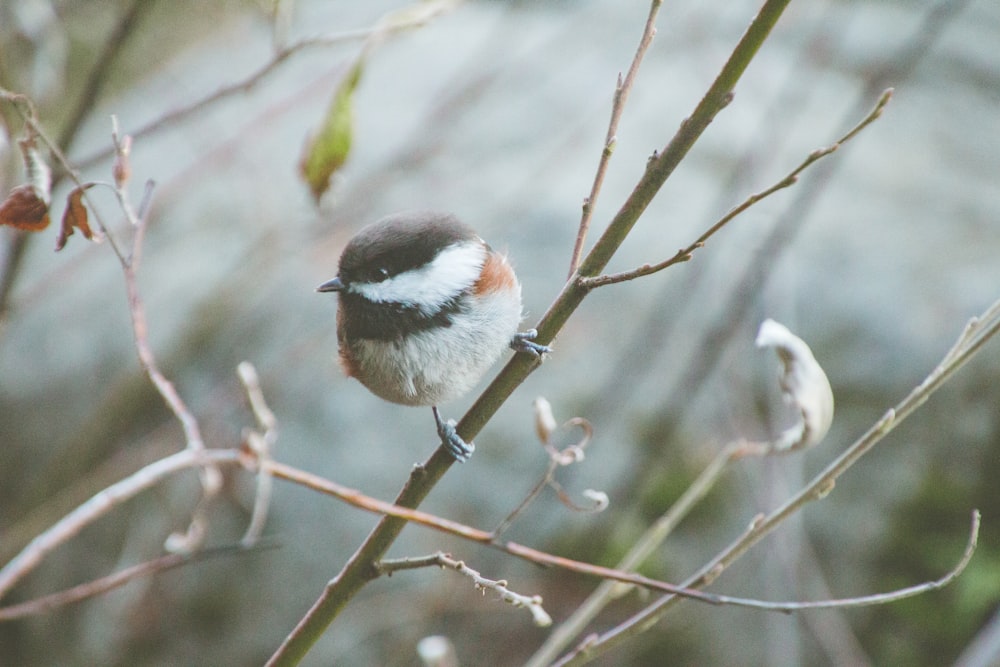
651	539
789	180
98	76
379	568
110	582
211	478
260	444
622	90
248	83
545	425
976	333
892	596
359	569
531	603
102	502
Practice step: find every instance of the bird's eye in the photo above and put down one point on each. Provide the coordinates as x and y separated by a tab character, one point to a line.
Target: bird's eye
379	275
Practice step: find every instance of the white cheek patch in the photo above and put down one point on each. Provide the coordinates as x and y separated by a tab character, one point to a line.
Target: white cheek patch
455	269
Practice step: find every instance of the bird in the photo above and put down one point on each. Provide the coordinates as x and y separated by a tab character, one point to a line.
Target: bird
425	308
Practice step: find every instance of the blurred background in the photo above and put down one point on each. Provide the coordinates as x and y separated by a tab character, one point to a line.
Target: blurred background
497	111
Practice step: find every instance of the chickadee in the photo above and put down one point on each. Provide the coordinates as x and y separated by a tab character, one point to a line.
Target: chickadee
426	307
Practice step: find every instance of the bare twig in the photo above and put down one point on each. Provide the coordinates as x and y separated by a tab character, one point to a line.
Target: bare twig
211	478
532	603
622	89
248	83
897	595
617	575
594	645
110	582
573	453
96	79
651	539
260	443
789	180
99	504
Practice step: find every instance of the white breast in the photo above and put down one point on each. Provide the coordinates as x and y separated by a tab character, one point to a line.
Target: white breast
437	365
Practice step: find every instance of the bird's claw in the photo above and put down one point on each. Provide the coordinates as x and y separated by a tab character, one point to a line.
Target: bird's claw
524	341
458	448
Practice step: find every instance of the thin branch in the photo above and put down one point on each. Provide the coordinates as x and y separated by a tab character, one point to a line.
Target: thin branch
102	502
211	478
594	645
638	553
368	503
362	501
976	333
260	444
532	603
110	582
98	76
892	596
789	180
622	90
573	453
248	83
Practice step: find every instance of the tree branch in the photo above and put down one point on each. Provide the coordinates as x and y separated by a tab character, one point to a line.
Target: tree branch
532	603
789	180
622	90
359	570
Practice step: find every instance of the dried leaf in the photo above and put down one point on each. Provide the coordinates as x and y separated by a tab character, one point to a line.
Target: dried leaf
803	384
24	209
545	421
27	206
75	216
121	170
39	174
327	151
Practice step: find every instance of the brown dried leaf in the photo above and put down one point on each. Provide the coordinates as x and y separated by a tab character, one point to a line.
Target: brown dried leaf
24	209
75	216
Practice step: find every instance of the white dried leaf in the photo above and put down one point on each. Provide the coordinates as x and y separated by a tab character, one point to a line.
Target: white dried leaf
545	421
804	386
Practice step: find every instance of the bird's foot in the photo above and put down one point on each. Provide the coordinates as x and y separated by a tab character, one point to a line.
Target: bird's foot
458	448
524	341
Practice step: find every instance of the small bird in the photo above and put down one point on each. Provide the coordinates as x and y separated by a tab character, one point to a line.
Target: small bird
426	307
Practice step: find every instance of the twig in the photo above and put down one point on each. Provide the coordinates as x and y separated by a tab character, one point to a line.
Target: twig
594	645
358	570
789	180
152	474
260	444
362	501
892	596
245	85
103	501
638	553
97	77
973	337
622	90
211	478
532	603
573	453
110	582
406	514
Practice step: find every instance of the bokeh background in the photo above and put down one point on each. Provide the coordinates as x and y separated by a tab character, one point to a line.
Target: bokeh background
497	111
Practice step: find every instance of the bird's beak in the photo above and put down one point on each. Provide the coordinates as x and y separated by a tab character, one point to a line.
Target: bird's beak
334	285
